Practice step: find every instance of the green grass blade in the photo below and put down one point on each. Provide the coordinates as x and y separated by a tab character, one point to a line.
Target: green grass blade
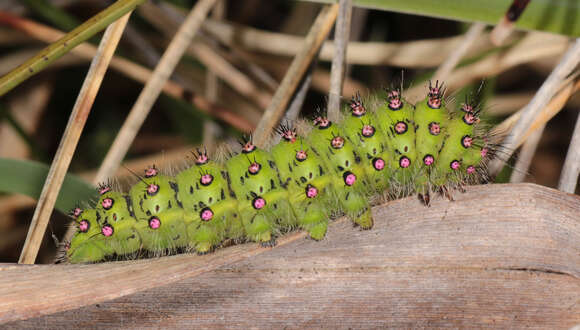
54	51
558	16
53	14
27	178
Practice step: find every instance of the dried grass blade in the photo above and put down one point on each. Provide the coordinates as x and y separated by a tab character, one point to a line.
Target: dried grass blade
337	71
317	34
153	88
70	139
63	45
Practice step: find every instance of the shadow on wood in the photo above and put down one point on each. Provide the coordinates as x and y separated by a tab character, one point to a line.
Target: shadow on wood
500	255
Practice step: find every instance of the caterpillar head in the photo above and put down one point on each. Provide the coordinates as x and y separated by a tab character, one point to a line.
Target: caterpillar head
435	95
356	106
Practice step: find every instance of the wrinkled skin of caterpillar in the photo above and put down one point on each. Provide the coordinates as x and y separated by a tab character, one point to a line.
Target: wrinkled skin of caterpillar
301	182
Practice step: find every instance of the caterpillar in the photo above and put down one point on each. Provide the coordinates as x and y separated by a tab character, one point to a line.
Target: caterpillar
383	147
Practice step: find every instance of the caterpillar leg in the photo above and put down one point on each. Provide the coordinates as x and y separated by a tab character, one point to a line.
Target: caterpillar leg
357	207
85	253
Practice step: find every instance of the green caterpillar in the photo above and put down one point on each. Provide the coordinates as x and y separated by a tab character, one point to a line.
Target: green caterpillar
392	147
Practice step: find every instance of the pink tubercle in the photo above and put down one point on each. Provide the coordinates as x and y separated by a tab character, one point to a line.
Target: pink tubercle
206	179
455	165
152	189
349	178
404	162
434	128
154	223
428	160
321	122
254	168
467	141
104	189
107	230
469	118
467	107
206	214
289	135
248	147
378	164
470	169
368	131
400	127
84	226
76	212
337	142
107	203
201	158
301	155
258	203
484	152
311	191
151	172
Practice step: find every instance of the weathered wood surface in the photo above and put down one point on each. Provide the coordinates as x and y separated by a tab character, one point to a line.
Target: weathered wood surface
500	255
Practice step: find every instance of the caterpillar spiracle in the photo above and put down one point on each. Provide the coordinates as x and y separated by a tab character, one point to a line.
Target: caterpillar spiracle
385	147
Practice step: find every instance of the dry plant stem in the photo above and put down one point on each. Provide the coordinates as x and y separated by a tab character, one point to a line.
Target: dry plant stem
571	169
296	105
539	102
532	47
212	83
138	73
70	139
62	46
337	71
317	34
153	88
170	159
432	265
470	37
525	156
547	113
501	31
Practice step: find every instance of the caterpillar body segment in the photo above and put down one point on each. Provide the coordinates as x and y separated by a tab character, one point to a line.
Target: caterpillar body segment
370	144
262	200
348	174
391	148
158	213
307	180
88	244
117	222
210	209
395	118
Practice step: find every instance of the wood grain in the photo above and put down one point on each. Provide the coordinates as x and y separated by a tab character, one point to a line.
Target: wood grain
499	255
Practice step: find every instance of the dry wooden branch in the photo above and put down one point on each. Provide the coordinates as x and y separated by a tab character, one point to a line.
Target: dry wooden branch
337	71
317	34
153	88
70	139
571	168
486	259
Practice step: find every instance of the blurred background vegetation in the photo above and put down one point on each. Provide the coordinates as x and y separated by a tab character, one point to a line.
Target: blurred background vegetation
241	55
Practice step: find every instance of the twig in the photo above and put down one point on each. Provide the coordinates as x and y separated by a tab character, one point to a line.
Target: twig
153	88
534	46
337	71
70	139
317	34
207	56
64	45
571	169
539	102
412	54
298	99
526	154
469	38
506	24
136	72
